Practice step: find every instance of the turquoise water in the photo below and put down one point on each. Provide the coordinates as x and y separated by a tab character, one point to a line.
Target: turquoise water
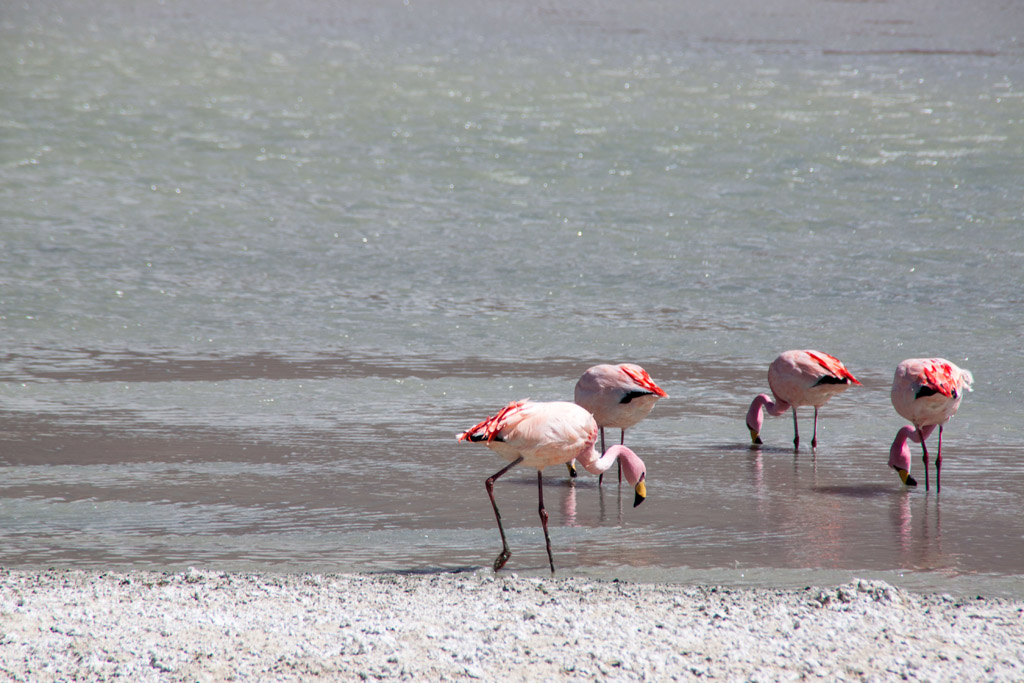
260	265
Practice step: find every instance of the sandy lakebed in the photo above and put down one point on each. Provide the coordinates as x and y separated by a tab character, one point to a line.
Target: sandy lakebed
199	625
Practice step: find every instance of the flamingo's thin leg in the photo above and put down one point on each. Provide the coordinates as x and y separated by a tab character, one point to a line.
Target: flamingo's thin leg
544	517
924	457
489	484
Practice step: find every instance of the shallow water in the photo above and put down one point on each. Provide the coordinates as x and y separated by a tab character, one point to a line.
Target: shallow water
259	267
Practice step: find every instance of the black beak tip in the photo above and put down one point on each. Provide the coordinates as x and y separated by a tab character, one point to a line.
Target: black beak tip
911	481
637	499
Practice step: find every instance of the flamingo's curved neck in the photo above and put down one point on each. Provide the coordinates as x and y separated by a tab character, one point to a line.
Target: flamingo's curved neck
631	463
765	402
899	452
600	465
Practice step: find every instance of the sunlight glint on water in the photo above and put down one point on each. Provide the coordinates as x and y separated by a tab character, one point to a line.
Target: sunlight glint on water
258	270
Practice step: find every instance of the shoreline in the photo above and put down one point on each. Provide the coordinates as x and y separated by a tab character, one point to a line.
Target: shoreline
203	625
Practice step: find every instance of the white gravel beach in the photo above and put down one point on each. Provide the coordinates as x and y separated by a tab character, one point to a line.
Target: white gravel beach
210	626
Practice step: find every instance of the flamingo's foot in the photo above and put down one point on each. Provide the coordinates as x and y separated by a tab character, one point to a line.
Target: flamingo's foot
905	477
755	437
572	469
500	561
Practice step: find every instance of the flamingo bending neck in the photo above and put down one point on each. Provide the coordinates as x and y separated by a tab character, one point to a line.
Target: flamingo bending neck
633	468
899	452
755	417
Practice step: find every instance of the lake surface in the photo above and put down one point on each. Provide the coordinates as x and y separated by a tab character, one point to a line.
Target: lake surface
260	262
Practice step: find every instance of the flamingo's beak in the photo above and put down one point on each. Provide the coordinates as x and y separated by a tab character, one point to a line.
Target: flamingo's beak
641	493
572	468
755	436
905	477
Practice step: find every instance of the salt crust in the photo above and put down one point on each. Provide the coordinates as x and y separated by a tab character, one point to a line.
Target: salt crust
209	626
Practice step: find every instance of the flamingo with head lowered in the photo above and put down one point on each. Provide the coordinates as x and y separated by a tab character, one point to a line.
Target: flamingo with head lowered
926	391
799	378
540	434
618	396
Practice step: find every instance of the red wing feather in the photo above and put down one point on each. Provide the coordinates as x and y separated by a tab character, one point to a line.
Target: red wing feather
939	376
833	366
644	380
492	425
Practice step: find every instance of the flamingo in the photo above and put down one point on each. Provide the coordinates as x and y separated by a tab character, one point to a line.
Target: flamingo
540	434
618	396
926	391
799	378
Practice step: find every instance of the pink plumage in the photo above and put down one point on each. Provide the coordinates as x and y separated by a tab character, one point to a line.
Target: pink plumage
799	378
618	396
926	391
541	434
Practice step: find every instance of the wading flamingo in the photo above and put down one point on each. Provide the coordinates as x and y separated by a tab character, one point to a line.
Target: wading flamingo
618	396
926	391
544	434
799	378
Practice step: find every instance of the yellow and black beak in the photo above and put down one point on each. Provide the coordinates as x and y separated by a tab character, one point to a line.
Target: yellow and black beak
905	477
572	468
641	492
755	437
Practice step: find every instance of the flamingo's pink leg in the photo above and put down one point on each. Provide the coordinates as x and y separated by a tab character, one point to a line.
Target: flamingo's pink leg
924	457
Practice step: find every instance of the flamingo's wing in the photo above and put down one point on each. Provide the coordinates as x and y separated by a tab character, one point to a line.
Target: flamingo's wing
938	376
833	366
552	433
488	429
640	377
551	424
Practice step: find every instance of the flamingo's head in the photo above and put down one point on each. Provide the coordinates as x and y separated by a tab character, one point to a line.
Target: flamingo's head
633	470
899	454
755	418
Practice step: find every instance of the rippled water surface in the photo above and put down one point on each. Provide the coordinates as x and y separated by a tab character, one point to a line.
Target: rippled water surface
260	264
